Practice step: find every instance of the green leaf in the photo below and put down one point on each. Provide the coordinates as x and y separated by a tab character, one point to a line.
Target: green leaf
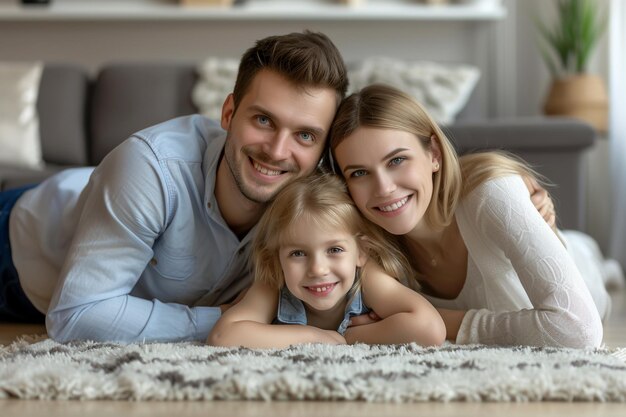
572	36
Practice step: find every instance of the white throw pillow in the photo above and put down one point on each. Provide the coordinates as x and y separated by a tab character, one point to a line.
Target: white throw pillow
442	88
20	144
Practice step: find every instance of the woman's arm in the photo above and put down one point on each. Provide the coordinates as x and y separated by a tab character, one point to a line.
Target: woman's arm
405	315
452	320
248	323
501	221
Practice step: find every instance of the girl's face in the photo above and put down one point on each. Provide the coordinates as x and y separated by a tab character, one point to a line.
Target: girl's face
389	175
319	263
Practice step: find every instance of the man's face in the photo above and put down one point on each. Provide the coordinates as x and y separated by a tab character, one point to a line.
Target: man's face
276	134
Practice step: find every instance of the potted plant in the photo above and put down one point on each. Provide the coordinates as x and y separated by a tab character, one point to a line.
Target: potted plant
566	49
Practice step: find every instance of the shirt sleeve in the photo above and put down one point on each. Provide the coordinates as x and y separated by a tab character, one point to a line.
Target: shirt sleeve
563	312
122	212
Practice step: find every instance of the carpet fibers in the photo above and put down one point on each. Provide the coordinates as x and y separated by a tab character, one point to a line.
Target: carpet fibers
43	369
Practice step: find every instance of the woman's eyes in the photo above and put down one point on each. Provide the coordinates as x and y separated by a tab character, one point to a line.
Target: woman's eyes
392	163
358	173
397	160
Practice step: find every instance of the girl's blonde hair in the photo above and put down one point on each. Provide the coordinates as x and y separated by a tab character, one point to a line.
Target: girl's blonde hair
385	107
324	200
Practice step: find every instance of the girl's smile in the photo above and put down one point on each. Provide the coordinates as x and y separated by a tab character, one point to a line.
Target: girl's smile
319	263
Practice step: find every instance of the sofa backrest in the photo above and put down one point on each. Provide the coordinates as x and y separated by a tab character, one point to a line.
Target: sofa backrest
554	147
130	97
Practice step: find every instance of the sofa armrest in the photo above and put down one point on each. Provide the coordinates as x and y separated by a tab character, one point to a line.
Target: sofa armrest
554	147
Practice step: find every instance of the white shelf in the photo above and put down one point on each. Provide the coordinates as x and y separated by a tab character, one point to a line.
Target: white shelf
275	10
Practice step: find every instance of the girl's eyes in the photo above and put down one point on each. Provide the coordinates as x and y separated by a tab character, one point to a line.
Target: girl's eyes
300	253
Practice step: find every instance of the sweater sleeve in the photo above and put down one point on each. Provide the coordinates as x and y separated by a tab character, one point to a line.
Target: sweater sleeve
563	312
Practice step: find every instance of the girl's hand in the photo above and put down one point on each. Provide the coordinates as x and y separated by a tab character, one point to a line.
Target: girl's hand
364	319
331	337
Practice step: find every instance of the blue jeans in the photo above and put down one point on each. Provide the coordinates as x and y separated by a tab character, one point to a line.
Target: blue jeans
14	305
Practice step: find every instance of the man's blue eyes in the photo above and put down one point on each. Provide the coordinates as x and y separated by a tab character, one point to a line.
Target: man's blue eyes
304	136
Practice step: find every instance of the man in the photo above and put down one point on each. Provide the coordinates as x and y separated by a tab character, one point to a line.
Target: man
123	252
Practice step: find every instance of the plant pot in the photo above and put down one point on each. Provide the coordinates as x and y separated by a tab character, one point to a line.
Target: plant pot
582	96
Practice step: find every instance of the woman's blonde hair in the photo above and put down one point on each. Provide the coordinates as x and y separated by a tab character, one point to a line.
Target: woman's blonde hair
385	107
324	200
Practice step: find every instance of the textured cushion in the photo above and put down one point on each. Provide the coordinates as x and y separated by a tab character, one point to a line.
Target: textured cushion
19	124
444	89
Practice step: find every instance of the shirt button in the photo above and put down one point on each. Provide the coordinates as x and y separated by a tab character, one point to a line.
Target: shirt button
208	205
153	261
241	251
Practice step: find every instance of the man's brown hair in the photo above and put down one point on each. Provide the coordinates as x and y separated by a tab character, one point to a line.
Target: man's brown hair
307	59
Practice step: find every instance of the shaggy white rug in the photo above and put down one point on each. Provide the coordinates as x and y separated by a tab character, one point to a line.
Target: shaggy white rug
397	373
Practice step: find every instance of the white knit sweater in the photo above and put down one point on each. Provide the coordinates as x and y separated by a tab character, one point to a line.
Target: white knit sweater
522	285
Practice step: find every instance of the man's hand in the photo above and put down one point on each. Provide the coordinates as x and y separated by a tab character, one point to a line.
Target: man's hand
239	297
541	200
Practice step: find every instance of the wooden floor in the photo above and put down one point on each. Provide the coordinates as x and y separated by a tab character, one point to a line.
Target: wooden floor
614	336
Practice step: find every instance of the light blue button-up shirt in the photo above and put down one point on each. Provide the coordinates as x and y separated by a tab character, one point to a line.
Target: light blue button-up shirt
291	310
123	252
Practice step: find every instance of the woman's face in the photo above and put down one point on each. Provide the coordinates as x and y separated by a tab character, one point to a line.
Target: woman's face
389	176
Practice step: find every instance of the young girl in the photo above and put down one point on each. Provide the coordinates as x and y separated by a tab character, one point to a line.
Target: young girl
317	263
482	253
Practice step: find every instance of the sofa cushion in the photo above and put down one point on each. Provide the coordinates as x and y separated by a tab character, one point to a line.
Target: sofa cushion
130	97
62	103
13	177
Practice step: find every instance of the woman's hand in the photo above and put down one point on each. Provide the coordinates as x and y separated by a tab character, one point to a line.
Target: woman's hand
363	319
541	200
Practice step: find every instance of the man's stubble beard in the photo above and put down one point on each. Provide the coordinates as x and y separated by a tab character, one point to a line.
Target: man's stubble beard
231	161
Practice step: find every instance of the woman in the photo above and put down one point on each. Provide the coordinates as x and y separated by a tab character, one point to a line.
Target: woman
480	250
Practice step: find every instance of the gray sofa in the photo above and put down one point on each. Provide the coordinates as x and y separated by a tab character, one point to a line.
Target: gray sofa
82	118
